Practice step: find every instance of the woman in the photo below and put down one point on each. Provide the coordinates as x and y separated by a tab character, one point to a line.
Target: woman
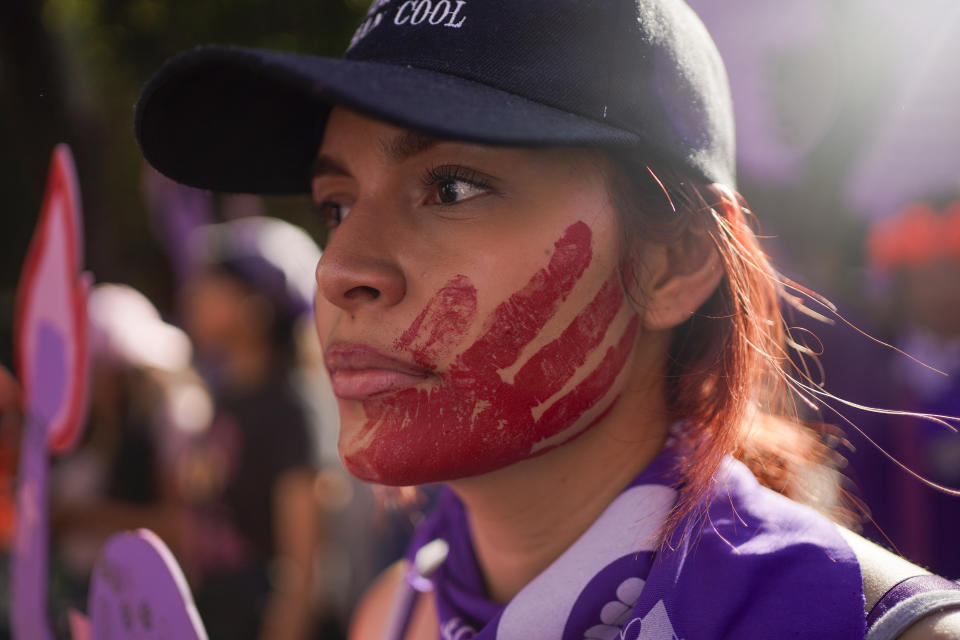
540	288
249	480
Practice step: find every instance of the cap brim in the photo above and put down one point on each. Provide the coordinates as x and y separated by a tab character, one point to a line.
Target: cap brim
250	120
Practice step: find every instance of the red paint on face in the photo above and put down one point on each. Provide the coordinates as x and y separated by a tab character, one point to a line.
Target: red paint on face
442	323
472	421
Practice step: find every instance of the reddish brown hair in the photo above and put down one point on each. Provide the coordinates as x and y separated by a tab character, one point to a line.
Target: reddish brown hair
730	375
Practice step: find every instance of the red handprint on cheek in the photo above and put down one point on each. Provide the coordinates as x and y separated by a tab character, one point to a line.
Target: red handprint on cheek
442	323
472	421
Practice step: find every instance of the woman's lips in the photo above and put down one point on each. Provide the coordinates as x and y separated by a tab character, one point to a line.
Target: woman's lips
365	383
359	372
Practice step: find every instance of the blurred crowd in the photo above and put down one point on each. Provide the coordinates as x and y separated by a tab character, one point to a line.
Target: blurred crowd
905	457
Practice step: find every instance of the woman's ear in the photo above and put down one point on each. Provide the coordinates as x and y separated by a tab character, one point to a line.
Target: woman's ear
677	278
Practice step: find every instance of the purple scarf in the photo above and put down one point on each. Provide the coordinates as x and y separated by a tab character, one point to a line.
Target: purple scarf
761	567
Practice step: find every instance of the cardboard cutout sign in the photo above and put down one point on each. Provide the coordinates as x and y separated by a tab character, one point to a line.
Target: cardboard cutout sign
52	366
138	592
51	320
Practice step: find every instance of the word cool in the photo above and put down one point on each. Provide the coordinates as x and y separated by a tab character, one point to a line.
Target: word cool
434	12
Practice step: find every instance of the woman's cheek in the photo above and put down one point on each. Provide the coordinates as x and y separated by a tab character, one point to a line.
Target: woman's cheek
324	314
475	419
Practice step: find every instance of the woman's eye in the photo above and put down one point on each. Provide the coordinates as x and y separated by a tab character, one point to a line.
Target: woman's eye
452	191
333	213
450	184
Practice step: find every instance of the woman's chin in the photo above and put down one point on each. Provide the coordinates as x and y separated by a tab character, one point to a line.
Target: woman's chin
393	462
381	454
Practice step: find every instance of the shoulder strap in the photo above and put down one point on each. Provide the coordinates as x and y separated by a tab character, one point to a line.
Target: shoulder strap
908	601
402	611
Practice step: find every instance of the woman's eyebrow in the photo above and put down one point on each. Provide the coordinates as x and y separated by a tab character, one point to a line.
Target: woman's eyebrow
325	165
396	149
405	145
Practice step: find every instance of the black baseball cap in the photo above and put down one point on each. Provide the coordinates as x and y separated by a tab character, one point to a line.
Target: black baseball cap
627	75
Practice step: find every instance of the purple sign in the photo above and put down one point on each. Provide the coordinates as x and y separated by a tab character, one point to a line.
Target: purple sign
51	312
138	592
52	366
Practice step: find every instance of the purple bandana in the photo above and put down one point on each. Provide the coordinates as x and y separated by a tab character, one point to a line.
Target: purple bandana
761	567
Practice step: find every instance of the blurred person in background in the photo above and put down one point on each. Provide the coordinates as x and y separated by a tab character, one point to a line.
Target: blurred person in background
915	255
146	402
250	479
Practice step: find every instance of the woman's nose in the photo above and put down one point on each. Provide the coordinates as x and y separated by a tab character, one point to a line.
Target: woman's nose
357	268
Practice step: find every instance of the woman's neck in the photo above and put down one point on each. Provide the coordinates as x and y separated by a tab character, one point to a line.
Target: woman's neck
524	516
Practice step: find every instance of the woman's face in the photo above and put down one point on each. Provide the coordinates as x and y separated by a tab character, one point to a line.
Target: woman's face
469	303
214	311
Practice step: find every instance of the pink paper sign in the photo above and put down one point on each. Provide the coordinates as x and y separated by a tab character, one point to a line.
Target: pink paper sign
51	320
52	365
138	592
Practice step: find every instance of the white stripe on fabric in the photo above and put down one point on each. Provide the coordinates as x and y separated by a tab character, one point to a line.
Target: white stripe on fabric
891	624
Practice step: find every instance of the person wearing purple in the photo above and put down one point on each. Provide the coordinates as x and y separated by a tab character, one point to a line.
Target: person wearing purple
541	289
